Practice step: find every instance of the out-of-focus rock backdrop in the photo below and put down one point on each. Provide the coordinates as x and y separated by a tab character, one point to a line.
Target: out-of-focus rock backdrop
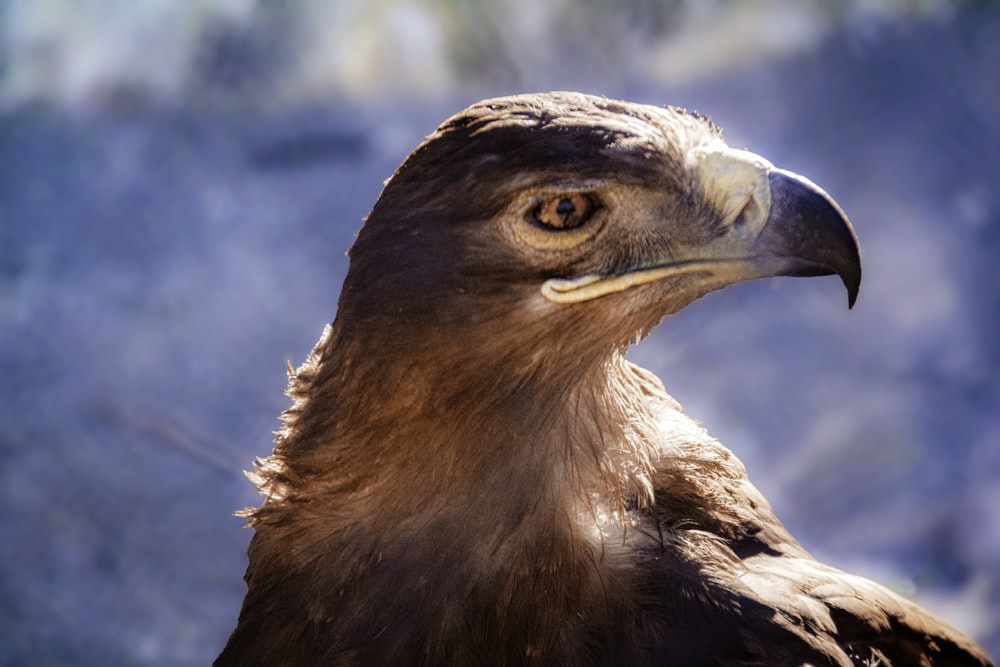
179	182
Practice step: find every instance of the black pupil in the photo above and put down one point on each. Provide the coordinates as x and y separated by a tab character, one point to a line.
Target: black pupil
565	207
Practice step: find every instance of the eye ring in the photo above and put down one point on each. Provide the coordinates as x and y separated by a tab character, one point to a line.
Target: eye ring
558	219
564	211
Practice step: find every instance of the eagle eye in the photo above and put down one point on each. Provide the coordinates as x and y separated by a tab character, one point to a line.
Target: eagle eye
566	211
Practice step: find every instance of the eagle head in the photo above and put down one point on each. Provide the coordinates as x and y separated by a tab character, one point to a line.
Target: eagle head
604	214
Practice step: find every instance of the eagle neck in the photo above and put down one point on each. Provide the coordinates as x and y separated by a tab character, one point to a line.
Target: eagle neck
536	455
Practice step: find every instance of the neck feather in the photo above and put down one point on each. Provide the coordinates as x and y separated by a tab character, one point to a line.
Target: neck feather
373	438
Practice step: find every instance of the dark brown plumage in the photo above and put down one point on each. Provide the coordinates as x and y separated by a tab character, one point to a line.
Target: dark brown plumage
473	473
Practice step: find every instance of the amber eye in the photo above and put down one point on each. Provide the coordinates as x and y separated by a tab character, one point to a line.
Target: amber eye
564	211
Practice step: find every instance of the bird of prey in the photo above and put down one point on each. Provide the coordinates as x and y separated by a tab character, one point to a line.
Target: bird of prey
472	472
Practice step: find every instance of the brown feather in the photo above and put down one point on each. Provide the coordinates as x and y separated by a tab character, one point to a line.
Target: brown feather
471	474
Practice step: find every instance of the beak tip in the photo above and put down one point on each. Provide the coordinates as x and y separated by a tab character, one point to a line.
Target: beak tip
852	276
852	282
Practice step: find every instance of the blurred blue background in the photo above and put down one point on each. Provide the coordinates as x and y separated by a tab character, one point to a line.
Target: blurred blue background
179	182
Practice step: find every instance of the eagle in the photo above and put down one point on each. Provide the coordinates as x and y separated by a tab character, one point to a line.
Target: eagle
473	473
